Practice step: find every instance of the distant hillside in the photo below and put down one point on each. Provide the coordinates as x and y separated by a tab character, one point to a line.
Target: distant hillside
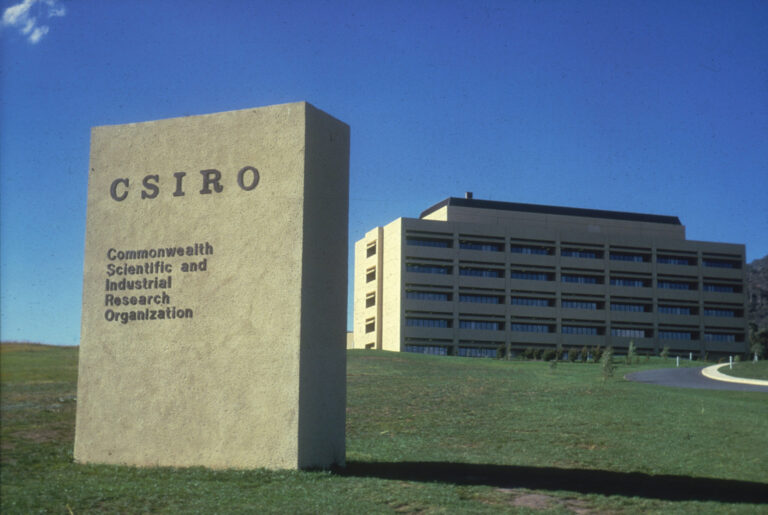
757	292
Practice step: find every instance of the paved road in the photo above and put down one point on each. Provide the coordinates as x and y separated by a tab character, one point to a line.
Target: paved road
689	378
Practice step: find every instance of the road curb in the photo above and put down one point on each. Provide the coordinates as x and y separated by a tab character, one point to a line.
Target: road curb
713	372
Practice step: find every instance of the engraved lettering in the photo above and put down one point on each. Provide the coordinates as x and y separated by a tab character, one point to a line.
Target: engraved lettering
113	189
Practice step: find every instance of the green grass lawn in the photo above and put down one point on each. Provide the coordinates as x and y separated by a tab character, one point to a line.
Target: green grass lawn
748	369
424	434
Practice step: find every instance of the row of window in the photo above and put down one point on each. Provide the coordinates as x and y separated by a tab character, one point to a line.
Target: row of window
486	325
571	304
442	350
570	278
437	350
478	352
577	329
579	304
481	299
569	252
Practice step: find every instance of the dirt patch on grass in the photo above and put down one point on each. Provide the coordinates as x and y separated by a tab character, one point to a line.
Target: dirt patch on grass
39	435
535	501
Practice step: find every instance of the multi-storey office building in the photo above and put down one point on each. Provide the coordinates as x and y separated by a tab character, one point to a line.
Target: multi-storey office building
478	278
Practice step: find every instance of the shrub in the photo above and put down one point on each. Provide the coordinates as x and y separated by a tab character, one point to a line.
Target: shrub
607	362
631	352
529	353
548	355
597	353
665	352
584	354
573	354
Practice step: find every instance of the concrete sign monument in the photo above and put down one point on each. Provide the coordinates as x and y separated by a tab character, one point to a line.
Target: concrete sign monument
214	292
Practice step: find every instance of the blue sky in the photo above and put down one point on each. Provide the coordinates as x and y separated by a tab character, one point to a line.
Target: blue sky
654	107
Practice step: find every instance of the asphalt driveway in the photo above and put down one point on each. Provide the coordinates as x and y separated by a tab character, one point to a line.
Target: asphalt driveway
689	378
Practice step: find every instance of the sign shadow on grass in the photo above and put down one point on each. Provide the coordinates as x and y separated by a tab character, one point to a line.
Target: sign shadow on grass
584	481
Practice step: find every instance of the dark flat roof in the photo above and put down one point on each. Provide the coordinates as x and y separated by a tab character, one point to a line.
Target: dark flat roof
551	210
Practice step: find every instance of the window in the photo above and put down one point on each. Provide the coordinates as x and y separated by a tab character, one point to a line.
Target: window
523	249
370	300
627	332
722	288
625	281
526	301
370	275
674	285
675	260
428	242
427	322
370	325
577	304
482	299
576	329
481	324
530	276
675	310
581	279
675	335
427	349
480	245
426	295
587	254
530	328
621	306
480	272
720	337
428	269
371	249
720	263
478	352
714	312
621	256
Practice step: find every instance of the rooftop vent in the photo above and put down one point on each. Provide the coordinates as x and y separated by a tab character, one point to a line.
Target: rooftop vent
468	195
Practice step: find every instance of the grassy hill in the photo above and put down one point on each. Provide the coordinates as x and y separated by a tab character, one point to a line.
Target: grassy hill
424	434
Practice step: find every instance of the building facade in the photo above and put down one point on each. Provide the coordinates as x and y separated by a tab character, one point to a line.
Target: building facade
484	278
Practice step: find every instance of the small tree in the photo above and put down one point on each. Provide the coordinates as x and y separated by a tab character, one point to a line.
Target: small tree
607	361
631	352
758	340
584	354
665	352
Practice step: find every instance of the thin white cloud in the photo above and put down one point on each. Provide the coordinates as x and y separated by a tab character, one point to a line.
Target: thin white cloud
24	16
38	33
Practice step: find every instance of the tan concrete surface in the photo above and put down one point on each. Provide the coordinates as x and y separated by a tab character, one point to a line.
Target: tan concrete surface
713	372
253	375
